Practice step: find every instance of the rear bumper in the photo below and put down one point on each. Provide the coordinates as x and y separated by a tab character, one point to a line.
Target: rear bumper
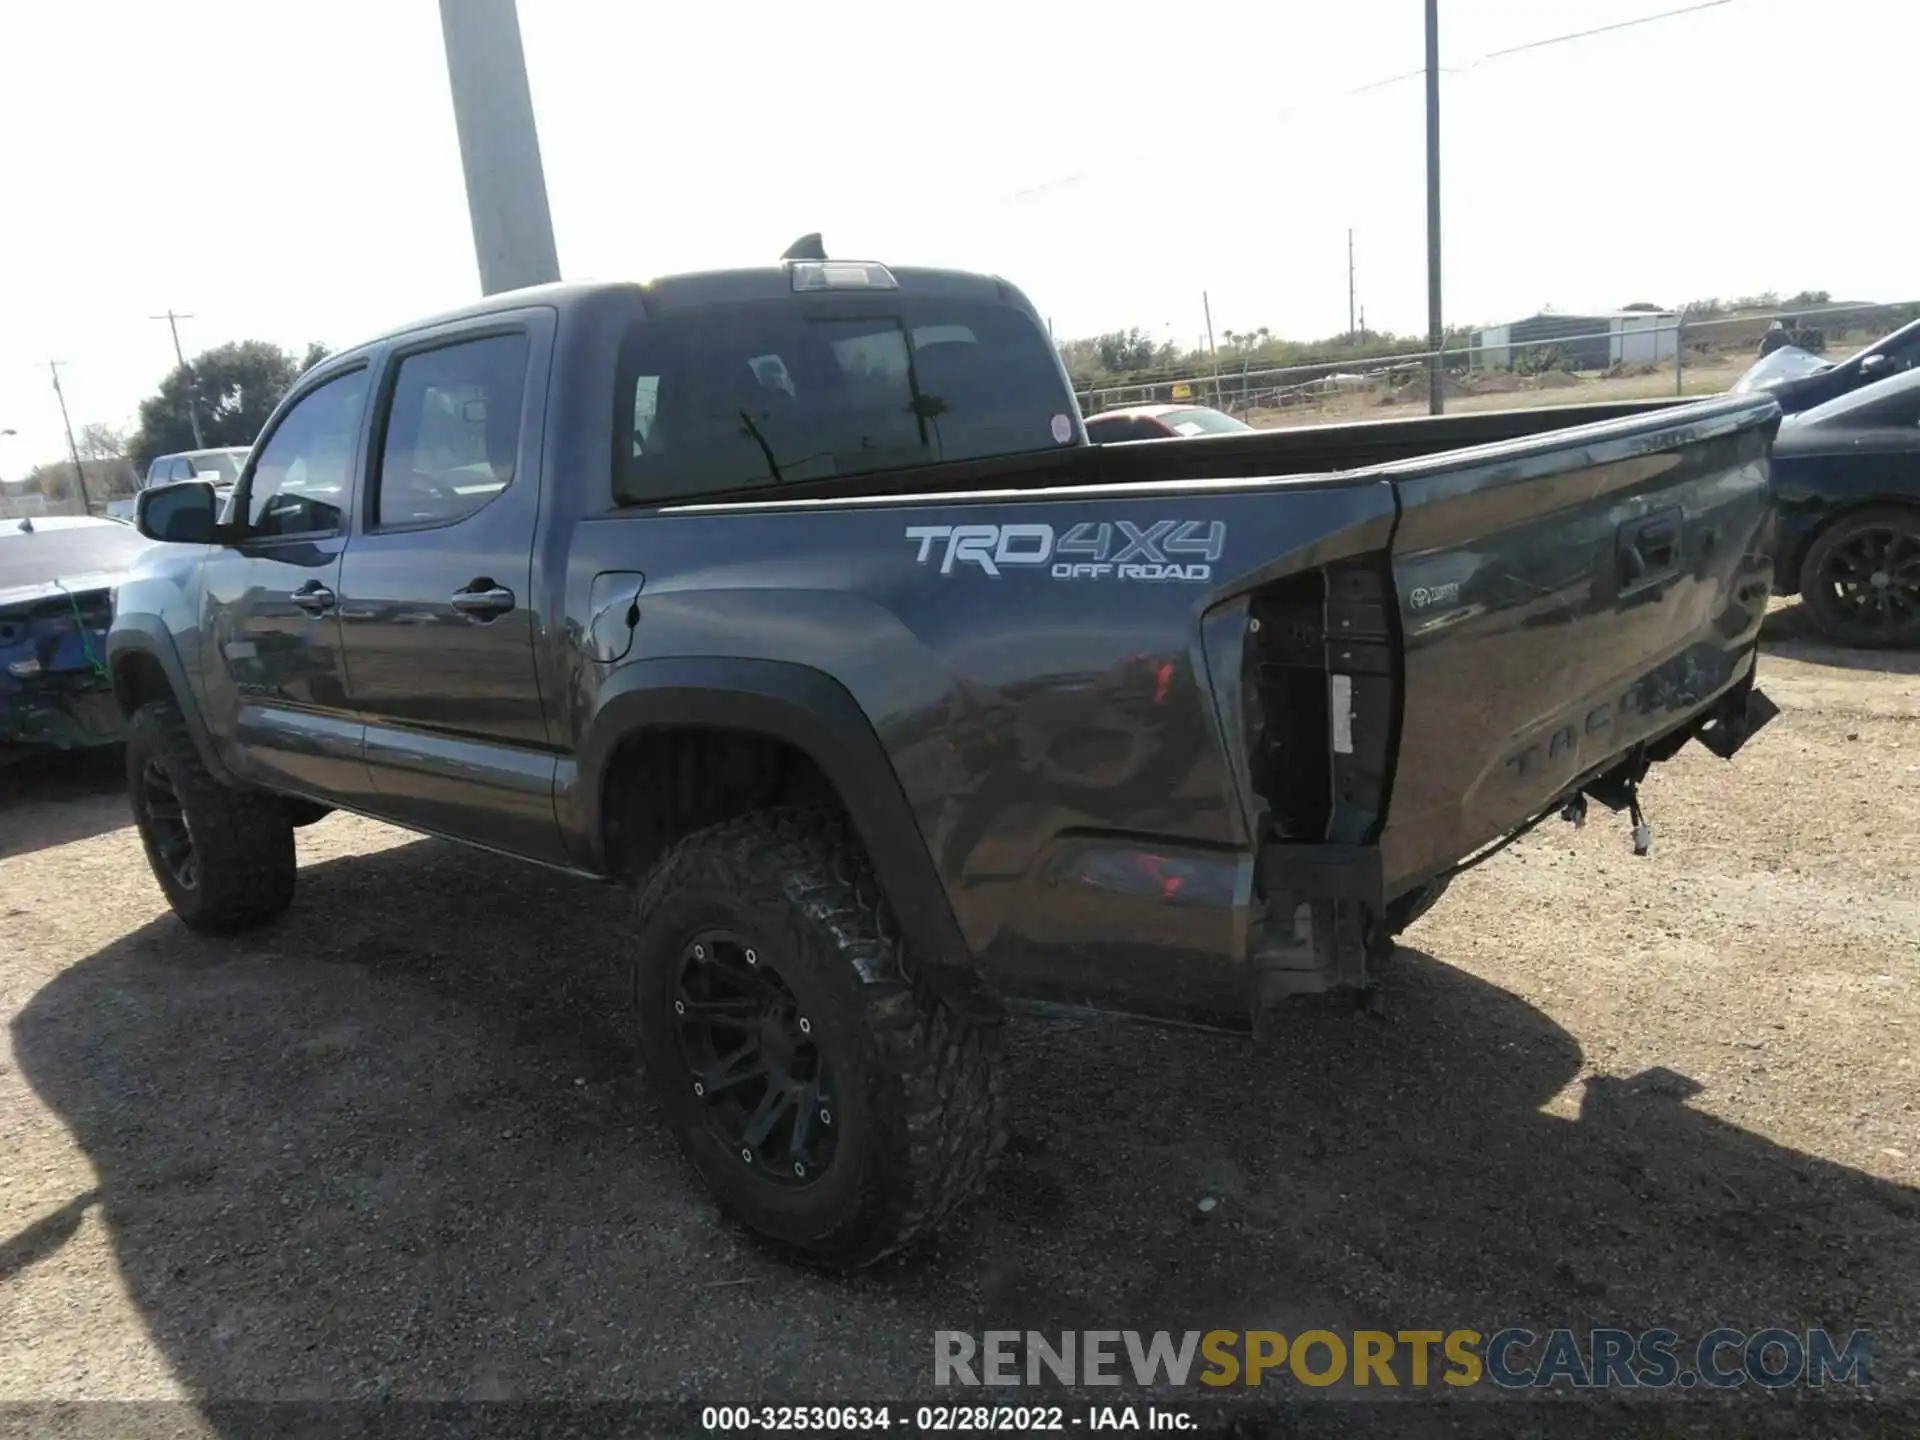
1322	908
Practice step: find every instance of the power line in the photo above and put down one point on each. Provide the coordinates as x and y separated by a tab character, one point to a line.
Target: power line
1420	74
1603	29
1529	45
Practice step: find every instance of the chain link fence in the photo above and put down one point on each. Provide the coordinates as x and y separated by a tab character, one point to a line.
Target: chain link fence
1643	346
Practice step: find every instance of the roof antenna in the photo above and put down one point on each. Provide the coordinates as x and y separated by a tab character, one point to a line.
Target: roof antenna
807	247
26	525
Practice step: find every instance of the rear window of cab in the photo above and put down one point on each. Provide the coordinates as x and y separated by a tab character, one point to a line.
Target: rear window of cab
756	395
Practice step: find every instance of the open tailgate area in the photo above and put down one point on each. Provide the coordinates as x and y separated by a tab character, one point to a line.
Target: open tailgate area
1566	603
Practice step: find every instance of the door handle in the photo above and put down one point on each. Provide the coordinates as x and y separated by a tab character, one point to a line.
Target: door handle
483	600
313	597
1649	550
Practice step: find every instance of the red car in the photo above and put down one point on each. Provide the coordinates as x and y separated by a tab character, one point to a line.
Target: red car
1160	422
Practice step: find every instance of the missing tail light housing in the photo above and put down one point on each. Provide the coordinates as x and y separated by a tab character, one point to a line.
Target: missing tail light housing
1323	704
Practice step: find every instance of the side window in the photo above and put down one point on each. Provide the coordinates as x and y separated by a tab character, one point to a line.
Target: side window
452	431
302	479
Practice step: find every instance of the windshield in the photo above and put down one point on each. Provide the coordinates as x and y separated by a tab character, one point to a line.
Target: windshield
1200	421
1787	363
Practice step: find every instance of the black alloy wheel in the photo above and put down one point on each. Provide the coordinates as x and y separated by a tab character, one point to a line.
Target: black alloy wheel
1862	580
167	819
753	1060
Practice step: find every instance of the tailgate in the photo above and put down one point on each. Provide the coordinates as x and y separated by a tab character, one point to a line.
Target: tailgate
1563	600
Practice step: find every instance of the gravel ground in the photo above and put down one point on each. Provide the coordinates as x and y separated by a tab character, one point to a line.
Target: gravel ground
391	1146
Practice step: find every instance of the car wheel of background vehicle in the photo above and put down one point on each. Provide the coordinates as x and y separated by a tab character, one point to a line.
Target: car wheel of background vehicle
830	1100
223	856
1861	579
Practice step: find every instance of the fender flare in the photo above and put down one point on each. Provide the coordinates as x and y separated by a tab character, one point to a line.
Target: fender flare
813	712
144	635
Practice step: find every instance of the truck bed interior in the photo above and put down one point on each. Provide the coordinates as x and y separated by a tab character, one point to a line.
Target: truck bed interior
1317	450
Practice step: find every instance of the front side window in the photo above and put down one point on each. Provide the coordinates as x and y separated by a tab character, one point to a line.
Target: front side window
301	482
748	396
452	432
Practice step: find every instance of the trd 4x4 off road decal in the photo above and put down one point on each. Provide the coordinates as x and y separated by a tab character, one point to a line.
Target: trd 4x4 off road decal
1091	550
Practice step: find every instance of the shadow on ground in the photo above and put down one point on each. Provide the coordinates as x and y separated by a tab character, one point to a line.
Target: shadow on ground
50	798
394	1146
1788	632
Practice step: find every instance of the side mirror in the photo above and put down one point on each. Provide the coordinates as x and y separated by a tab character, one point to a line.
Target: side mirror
1876	365
183	513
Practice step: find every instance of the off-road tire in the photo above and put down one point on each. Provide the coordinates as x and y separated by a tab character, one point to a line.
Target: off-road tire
921	1101
242	840
1832	622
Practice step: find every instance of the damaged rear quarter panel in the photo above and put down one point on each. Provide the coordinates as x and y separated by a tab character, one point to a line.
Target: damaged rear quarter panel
1035	672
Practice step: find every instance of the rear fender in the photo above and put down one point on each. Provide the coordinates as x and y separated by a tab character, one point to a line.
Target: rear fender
801	706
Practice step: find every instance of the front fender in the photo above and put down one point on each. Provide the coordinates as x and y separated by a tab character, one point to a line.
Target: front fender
801	706
138	634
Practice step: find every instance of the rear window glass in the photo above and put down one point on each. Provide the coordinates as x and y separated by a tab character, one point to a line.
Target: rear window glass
222	467
747	396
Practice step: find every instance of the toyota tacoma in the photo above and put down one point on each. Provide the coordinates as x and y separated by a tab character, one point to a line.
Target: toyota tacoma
797	597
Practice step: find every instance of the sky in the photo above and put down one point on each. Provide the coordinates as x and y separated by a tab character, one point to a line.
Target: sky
289	171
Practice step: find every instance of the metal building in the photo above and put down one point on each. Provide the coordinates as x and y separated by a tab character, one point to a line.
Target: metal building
1586	342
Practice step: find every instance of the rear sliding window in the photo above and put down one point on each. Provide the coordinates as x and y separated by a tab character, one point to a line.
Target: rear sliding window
748	396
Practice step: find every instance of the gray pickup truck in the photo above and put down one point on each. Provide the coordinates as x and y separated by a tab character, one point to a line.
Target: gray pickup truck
797	597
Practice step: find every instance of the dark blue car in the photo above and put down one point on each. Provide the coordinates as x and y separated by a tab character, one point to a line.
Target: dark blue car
1846	479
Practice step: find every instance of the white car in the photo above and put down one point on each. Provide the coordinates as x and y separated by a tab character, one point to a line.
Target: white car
219	467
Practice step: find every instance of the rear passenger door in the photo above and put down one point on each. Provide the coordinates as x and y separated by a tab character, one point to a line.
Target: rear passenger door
436	591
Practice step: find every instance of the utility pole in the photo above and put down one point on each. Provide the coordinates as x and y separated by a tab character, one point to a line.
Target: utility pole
1351	332
499	146
193	383
79	475
1207	307
1436	332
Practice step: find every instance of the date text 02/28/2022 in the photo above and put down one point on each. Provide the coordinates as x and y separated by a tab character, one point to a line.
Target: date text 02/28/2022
942	1419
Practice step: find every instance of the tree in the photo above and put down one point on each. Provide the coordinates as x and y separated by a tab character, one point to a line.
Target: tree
101	442
1125	351
316	352
108	477
235	386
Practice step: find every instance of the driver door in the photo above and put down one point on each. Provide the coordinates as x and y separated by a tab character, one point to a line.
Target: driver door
270	603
